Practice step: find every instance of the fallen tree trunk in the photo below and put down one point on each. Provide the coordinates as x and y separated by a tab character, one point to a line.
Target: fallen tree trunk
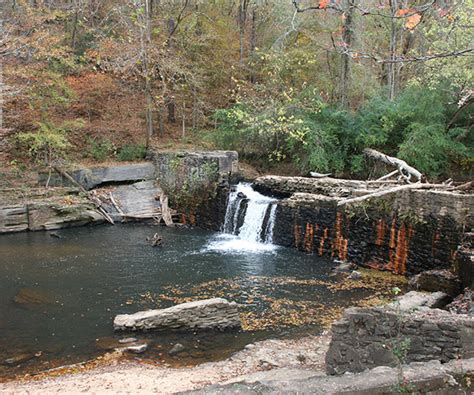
384	192
404	168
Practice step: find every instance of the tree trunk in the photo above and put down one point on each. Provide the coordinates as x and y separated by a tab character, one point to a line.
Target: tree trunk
347	37
74	29
253	42
146	42
242	18
392	67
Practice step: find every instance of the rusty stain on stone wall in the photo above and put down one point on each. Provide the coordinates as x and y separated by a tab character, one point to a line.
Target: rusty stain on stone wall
340	243
308	237
380	232
323	240
297	233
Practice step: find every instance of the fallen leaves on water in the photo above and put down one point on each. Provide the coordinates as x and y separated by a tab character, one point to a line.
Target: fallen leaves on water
269	303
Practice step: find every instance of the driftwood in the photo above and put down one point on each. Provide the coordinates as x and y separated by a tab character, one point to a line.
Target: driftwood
464	187
384	192
406	171
114	203
318	175
156	240
165	211
90	195
386	176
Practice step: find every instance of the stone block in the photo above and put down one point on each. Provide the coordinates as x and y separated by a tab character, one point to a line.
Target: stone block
92	177
437	280
13	218
415	300
49	216
214	313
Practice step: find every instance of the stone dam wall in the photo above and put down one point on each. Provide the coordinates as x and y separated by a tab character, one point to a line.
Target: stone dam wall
406	233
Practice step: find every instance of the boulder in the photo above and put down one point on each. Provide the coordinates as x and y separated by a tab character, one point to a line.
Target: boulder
214	313
136	348
415	300
463	303
437	280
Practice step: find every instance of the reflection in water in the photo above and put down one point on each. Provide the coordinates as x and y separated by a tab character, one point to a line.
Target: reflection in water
93	273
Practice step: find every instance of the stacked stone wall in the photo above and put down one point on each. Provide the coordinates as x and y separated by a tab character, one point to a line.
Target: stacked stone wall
368	337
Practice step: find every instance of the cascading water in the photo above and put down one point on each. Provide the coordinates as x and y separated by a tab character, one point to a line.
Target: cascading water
249	222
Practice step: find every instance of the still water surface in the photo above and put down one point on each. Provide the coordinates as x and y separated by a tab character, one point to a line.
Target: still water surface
91	274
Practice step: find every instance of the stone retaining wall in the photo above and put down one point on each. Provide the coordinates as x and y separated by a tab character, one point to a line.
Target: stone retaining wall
368	337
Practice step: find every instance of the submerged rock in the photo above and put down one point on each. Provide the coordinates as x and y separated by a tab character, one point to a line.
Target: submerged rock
344	267
136	348
214	313
19	359
32	297
176	349
128	340
355	275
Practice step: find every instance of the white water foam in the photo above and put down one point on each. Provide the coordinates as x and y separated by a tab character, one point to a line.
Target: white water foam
249	238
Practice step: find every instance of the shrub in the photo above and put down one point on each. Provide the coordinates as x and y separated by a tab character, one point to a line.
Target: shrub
100	150
130	152
50	141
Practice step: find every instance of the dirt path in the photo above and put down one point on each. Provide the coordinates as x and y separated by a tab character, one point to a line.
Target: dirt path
130	378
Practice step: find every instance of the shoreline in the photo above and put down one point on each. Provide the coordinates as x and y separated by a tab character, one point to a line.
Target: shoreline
112	374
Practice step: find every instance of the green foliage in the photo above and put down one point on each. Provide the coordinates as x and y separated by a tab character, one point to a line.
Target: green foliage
313	135
100	150
131	152
50	141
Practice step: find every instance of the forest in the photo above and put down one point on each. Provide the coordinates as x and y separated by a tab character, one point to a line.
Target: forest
293	86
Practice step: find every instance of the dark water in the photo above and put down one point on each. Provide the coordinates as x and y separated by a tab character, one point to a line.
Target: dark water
93	273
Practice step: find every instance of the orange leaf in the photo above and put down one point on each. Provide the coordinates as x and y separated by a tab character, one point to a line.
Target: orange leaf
413	21
402	12
324	3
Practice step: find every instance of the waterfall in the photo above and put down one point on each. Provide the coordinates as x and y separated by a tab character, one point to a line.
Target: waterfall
270	224
250	215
